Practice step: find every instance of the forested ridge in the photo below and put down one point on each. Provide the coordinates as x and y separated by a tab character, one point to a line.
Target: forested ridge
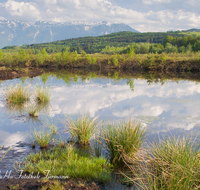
151	42
96	44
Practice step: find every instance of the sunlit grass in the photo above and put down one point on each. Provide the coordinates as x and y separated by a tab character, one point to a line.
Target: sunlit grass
69	162
82	128
123	138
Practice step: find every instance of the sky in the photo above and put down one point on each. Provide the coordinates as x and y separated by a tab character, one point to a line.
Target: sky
142	15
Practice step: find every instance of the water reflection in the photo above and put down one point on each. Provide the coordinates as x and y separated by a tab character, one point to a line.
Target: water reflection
162	105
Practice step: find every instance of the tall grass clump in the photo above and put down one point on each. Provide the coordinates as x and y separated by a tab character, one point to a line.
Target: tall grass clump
123	138
171	164
82	128
42	94
16	94
44	135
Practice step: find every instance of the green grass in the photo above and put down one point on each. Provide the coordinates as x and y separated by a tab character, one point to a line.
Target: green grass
123	138
171	164
69	162
82	128
16	94
44	135
42	94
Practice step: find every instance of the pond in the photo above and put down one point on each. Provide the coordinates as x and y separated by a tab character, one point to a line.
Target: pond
169	107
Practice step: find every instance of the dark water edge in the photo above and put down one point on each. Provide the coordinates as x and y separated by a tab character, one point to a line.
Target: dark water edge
11	73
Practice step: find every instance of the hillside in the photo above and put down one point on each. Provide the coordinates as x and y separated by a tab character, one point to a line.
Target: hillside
96	44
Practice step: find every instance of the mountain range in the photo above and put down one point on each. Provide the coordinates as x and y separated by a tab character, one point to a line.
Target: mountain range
16	32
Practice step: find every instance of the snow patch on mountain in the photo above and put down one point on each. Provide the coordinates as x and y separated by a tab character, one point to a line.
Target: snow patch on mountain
16	32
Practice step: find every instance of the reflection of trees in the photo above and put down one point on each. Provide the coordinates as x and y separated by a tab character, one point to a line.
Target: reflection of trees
73	76
130	82
44	77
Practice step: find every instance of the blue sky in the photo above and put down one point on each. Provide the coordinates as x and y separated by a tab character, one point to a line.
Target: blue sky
142	15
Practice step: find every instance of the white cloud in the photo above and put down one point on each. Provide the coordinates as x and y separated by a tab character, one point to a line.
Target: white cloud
150	2
20	10
146	15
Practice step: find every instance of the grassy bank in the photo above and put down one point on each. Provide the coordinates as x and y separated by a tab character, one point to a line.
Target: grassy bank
151	62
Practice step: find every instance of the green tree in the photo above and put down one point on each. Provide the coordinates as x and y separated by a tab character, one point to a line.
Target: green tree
131	51
197	45
169	48
44	52
167	39
22	53
1	55
184	41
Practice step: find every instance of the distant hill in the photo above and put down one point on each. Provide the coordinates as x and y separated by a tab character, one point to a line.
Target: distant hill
193	30
15	32
96	44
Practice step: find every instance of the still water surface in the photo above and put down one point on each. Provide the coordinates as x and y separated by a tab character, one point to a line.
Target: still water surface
171	108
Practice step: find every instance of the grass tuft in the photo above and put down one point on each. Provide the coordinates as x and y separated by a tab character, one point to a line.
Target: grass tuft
123	138
42	94
171	164
82	129
16	94
44	135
